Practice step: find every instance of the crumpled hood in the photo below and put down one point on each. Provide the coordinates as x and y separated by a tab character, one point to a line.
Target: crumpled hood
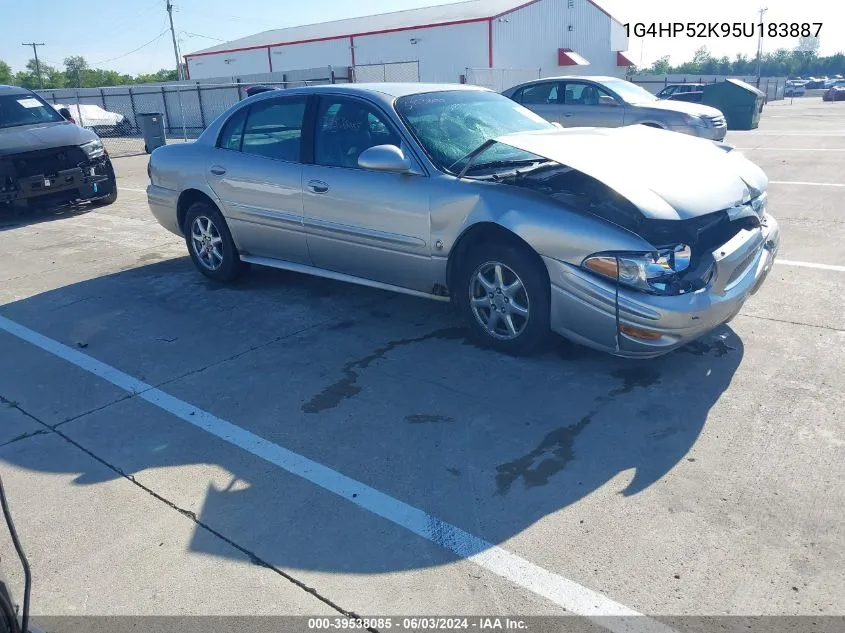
30	138
685	107
667	175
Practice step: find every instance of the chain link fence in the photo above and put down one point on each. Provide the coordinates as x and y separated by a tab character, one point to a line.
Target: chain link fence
402	72
188	108
500	79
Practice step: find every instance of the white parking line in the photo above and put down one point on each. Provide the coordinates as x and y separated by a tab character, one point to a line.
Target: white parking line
119	188
790	149
809	184
568	594
789	262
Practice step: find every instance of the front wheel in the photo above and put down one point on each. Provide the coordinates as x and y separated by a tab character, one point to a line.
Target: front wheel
210	244
503	292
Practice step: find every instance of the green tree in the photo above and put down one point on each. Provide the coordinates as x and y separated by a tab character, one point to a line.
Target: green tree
157	77
6	76
50	77
661	66
808	44
76	71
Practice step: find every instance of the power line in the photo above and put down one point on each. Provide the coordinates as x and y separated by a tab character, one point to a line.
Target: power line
207	37
35	46
103	61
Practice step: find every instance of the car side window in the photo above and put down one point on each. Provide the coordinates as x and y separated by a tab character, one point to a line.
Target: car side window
274	128
587	94
539	94
347	127
233	131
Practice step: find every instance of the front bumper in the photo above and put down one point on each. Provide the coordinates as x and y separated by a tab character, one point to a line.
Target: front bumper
590	310
716	133
89	181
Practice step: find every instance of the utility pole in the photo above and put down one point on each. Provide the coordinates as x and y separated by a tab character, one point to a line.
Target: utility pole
762	12
35	46
173	35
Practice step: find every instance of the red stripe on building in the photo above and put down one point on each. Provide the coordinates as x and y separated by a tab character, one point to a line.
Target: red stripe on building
340	37
490	42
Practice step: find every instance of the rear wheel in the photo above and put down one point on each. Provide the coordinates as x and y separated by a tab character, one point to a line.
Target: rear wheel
503	292
210	243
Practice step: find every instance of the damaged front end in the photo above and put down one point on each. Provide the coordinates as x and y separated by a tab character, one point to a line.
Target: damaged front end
55	177
642	304
682	260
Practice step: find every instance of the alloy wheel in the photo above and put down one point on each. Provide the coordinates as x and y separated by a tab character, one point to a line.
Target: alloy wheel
207	242
499	301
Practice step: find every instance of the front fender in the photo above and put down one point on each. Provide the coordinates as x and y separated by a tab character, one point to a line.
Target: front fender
547	226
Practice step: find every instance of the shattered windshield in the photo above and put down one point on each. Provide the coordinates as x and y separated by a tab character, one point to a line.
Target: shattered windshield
451	125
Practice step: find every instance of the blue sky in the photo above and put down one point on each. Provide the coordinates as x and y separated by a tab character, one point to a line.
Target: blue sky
105	31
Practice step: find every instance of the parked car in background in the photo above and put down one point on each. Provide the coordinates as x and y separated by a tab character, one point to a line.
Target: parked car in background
100	121
254	90
814	83
634	241
613	102
794	89
836	93
676	91
47	161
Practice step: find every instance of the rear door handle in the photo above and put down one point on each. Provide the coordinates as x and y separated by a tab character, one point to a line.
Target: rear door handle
217	170
317	186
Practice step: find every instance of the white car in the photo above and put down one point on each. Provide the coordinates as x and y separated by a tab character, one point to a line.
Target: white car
95	118
794	89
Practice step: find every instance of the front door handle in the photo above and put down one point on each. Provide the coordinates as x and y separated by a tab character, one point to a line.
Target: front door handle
217	170
317	186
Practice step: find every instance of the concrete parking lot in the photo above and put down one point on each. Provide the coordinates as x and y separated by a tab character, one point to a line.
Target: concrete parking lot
292	445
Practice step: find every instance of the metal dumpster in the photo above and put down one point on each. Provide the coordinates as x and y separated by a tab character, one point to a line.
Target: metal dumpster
740	102
151	125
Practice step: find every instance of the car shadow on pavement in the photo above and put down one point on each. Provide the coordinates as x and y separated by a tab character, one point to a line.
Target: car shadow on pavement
10	219
382	388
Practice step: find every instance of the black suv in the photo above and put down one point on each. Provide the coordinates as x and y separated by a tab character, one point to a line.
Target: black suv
47	161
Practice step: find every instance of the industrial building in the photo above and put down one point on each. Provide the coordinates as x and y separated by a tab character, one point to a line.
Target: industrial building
541	37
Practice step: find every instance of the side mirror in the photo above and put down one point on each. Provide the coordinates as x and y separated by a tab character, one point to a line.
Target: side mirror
384	158
65	112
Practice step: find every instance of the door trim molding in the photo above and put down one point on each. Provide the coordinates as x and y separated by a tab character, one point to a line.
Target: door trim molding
324	228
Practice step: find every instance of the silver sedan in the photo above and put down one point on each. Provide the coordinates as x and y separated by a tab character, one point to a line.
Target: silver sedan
632	240
614	102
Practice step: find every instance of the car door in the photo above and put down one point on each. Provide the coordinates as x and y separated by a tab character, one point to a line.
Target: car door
256	172
667	92
587	104
543	99
368	224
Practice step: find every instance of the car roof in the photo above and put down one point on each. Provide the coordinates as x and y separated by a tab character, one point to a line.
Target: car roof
388	89
573	77
13	90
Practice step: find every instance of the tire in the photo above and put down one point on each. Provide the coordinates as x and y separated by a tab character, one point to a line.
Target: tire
510	332
111	196
221	260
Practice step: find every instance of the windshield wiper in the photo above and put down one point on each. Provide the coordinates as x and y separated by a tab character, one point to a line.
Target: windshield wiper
509	163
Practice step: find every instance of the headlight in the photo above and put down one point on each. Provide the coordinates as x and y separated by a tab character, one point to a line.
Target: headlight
689	119
649	272
94	149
